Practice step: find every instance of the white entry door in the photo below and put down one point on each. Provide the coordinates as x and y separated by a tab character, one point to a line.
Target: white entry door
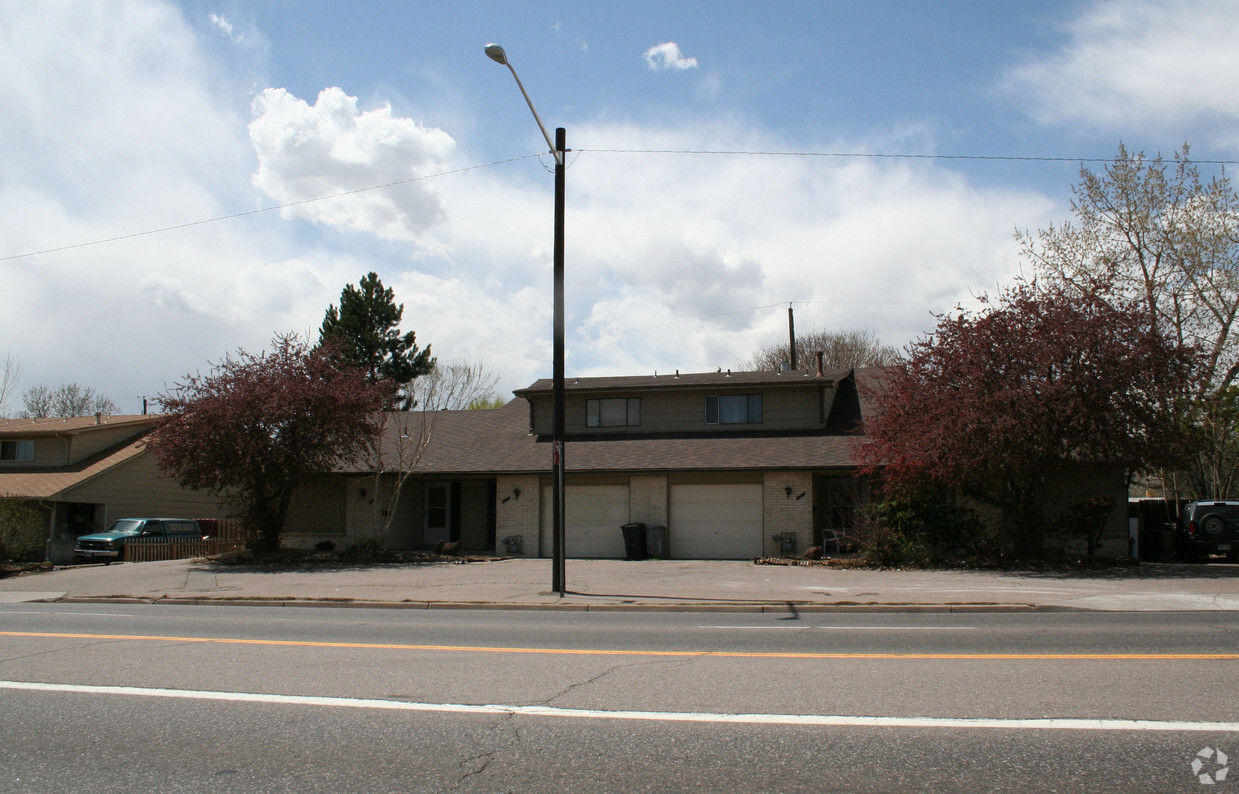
438	513
716	522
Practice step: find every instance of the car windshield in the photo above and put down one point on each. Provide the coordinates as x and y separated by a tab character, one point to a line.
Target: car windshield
126	526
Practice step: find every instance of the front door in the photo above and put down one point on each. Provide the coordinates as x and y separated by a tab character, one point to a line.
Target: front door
438	513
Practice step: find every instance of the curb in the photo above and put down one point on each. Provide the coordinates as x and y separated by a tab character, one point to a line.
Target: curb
762	608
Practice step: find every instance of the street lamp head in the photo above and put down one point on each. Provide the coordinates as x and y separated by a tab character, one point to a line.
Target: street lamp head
496	54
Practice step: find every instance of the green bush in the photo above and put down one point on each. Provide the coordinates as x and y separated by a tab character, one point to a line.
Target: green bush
21	531
922	531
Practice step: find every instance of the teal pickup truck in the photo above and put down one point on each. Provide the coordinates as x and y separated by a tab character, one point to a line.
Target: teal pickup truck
108	546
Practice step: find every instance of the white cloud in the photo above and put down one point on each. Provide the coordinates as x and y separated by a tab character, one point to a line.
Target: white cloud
688	261
667	56
1148	65
226	28
125	124
669	257
309	151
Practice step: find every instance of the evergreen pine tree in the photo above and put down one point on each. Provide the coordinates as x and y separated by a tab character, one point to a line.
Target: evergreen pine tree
366	330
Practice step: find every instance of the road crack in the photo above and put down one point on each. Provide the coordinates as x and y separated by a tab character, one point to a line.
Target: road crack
681	662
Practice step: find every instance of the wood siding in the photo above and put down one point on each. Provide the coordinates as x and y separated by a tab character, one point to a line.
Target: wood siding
675	411
136	489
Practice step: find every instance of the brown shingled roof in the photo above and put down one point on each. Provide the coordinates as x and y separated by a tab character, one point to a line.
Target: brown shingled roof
689	380
499	442
45	483
72	424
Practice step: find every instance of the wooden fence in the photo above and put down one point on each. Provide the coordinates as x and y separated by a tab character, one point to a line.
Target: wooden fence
219	535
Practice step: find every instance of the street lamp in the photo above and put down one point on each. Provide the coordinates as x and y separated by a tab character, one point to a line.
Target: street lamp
558	150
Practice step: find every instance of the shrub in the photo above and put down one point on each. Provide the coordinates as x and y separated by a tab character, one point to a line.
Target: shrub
21	531
922	531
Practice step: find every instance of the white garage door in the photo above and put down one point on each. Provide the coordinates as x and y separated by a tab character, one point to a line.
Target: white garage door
715	522
592	522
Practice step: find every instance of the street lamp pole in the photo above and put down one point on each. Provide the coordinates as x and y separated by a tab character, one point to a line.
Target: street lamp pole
558	149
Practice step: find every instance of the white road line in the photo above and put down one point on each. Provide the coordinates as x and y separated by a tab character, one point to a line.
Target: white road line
658	716
845	628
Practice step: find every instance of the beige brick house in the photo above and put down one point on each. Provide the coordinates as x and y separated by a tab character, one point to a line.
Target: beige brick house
725	461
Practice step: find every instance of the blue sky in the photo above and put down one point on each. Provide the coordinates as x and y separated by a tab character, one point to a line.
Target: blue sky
139	115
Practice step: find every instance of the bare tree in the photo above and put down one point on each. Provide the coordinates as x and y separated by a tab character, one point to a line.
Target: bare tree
399	443
9	374
70	399
1170	240
840	350
38	402
455	386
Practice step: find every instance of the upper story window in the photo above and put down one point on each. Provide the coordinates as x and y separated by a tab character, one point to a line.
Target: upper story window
733	409
613	412
21	449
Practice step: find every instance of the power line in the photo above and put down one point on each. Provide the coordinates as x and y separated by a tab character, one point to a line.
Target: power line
716	152
247	213
881	156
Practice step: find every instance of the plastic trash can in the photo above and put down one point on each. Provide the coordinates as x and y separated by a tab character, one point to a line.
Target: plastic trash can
656	542
634	541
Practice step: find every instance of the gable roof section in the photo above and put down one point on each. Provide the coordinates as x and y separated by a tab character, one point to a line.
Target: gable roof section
499	442
42	482
708	453
74	424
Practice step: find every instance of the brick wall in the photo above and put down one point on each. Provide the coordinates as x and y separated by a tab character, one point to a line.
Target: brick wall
787	512
518	515
647	499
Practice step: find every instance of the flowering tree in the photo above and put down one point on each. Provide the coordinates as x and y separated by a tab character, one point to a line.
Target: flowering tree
1168	241
259	425
998	403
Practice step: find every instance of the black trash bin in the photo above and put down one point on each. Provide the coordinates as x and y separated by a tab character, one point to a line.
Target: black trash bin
634	541
656	542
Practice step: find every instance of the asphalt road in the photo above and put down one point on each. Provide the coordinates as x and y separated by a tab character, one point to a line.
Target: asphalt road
179	698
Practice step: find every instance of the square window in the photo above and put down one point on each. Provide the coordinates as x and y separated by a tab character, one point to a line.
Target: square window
733	409
20	450
613	412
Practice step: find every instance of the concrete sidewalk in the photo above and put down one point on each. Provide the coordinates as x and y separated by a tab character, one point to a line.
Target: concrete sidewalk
654	584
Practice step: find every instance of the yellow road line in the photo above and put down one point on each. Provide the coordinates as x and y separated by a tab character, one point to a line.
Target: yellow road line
622	652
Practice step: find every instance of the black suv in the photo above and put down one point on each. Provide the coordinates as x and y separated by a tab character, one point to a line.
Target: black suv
1211	527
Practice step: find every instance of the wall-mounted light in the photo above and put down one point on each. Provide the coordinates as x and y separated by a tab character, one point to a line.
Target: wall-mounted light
788	490
363	493
516	493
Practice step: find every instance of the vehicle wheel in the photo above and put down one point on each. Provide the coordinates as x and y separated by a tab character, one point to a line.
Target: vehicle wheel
1212	525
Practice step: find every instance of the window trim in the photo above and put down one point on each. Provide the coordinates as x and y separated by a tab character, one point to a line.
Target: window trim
715	414
18	445
594	411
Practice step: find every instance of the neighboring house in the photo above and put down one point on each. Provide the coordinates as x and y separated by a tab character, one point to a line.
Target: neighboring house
731	463
82	473
726	461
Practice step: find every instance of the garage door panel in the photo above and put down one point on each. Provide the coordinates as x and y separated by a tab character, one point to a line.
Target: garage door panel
592	520
716	521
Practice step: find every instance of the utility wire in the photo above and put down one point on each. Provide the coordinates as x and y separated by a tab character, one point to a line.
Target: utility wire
873	155
735	153
236	215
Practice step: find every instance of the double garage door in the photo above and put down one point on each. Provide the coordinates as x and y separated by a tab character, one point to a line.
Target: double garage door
706	522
